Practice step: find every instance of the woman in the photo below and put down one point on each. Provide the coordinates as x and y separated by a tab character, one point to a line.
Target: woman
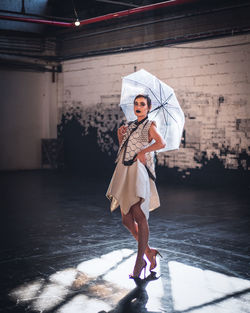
132	186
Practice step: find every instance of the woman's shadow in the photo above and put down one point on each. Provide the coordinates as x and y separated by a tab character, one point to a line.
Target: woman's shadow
135	301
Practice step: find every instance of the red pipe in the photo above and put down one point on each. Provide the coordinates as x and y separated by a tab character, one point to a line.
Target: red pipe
33	20
100	18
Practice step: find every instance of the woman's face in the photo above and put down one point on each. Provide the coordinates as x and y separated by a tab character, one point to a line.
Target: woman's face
141	108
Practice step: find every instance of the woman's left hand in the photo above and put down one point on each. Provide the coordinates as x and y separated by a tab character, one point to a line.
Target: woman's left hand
141	156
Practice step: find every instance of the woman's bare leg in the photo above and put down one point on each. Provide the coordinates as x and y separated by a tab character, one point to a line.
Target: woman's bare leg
143	234
129	222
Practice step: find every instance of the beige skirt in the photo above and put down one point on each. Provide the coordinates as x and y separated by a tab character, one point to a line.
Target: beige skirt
129	184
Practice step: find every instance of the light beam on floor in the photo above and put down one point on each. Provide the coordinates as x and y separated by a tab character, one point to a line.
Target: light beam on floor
205	291
94	285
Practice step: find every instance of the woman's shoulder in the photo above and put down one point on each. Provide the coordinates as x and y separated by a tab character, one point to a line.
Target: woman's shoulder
150	123
147	128
153	122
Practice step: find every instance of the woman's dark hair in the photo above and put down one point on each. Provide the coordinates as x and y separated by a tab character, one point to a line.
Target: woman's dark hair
145	97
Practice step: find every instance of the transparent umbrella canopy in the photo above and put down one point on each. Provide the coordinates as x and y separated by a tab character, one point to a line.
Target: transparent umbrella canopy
165	110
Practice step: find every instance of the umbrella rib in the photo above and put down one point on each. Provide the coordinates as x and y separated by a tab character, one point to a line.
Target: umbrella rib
160	92
155	110
162	105
165	120
168	98
154	94
170	114
172	118
166	125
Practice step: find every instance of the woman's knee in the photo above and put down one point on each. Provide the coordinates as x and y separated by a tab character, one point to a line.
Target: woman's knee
140	219
138	214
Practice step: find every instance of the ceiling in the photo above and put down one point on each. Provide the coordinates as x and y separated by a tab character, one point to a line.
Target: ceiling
69	10
178	21
60	10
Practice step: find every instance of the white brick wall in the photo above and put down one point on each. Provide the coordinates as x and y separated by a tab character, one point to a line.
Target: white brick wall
199	72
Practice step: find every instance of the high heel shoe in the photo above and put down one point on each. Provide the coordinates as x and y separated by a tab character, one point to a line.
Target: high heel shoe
155	253
132	276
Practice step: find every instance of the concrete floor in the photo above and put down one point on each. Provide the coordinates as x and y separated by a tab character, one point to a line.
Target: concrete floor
63	251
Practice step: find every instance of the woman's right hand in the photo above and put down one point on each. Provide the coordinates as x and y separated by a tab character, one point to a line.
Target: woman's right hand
121	132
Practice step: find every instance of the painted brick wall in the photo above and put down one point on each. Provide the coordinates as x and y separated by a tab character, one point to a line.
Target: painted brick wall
212	83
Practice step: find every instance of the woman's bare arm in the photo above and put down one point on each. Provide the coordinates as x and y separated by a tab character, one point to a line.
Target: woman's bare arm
157	145
159	141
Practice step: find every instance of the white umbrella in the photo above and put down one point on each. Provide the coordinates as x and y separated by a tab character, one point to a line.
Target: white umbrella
166	110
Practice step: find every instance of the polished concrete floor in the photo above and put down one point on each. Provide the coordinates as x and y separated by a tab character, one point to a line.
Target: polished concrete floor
63	251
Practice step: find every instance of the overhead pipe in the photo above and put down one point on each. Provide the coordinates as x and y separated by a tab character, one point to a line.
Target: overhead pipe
101	18
33	20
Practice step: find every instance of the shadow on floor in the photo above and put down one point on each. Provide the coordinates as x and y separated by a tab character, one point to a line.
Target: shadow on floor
135	301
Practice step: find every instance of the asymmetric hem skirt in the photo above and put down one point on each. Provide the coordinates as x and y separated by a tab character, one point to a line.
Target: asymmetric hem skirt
129	184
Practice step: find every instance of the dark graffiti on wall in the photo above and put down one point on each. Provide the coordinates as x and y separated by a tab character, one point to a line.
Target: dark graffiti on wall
213	144
89	136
